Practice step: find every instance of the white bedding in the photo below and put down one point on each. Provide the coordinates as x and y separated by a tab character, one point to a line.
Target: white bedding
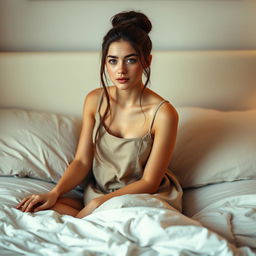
147	228
228	208
196	199
13	189
233	217
133	224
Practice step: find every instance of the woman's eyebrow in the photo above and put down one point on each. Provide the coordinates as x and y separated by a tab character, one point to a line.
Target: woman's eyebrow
127	56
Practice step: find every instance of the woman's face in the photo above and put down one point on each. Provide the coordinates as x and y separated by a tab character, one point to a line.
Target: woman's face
123	65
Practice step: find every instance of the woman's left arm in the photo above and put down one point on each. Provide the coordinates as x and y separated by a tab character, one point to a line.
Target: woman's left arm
164	131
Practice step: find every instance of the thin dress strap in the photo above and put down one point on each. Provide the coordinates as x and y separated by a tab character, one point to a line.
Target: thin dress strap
100	101
158	106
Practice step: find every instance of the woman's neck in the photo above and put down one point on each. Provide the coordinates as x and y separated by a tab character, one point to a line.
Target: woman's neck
128	98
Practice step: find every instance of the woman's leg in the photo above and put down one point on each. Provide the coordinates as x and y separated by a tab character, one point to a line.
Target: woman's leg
68	206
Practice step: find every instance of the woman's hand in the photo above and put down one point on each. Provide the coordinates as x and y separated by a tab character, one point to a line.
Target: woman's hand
35	203
91	206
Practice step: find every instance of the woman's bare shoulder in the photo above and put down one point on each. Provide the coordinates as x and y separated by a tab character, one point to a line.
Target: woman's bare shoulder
94	94
91	100
154	99
167	113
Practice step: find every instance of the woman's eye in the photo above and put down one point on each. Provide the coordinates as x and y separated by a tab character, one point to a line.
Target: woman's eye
112	61
131	61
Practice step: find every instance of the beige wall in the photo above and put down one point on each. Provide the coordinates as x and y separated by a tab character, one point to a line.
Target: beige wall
58	81
78	25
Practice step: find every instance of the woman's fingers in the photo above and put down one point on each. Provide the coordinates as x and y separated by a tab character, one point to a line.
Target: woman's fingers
22	202
34	203
31	203
41	207
27	204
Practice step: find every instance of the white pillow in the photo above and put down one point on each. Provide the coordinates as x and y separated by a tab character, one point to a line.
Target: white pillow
36	144
214	146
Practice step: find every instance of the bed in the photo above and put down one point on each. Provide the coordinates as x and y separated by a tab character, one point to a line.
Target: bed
214	92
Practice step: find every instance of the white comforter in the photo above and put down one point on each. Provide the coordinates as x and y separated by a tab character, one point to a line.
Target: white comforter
233	217
128	225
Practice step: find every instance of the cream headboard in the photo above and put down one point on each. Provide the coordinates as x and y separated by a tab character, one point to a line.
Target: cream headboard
58	82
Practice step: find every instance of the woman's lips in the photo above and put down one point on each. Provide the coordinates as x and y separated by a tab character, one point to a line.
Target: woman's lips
122	80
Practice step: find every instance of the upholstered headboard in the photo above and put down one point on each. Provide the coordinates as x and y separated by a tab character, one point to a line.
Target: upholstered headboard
58	82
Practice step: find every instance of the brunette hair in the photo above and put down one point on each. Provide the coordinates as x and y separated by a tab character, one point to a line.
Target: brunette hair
133	27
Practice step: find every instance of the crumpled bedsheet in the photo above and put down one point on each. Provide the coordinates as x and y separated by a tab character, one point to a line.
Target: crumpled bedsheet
127	225
234	218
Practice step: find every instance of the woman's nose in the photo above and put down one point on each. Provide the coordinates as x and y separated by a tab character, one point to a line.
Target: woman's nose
122	68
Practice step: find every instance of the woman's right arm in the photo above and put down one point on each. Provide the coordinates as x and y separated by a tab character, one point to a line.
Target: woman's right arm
80	166
77	169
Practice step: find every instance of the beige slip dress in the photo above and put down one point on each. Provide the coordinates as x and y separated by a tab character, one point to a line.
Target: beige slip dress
121	161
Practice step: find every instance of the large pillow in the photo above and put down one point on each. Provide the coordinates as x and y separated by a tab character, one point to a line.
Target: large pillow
35	144
214	146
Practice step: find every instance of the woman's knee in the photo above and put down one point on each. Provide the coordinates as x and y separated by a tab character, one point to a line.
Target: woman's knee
72	202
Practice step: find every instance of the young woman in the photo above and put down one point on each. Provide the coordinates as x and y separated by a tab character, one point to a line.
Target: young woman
128	132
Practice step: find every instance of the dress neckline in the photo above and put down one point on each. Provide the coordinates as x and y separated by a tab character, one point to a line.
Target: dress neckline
122	138
148	134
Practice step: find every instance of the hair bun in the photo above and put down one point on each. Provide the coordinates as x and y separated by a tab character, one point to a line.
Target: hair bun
137	19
